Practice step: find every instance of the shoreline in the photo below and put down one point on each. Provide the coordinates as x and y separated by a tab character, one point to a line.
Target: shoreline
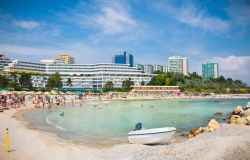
43	142
19	115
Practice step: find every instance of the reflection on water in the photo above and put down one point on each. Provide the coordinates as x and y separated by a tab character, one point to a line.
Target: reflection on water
106	122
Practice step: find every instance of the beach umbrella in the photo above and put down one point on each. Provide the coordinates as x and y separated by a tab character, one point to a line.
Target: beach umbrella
4	91
53	92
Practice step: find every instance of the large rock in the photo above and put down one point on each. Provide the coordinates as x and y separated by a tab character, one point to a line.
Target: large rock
213	124
237	110
248	120
246	113
242	120
205	129
190	136
196	131
233	119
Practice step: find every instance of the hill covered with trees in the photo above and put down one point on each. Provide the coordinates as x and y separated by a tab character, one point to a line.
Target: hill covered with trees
194	83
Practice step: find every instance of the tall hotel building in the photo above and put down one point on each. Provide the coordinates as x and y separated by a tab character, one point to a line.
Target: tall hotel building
210	70
4	61
65	59
82	75
149	68
124	58
178	64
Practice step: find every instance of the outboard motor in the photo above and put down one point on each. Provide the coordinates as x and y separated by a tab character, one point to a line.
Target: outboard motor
138	126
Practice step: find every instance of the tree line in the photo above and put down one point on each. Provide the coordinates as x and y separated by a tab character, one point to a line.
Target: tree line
187	83
195	83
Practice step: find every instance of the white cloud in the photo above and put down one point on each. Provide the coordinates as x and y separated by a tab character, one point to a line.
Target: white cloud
236	67
192	16
28	25
113	21
109	18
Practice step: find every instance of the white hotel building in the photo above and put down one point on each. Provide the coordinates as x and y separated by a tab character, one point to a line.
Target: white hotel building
82	75
178	64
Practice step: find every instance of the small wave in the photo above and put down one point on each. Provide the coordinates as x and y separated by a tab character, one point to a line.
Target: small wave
57	126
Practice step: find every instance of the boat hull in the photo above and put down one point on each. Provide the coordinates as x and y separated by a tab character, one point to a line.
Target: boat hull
152	138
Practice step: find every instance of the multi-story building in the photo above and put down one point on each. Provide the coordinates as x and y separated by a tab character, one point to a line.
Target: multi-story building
124	59
4	61
140	67
82	75
22	66
64	59
158	68
165	68
210	70
178	64
96	75
148	68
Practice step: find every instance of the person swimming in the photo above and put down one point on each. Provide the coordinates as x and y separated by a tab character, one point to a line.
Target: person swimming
62	113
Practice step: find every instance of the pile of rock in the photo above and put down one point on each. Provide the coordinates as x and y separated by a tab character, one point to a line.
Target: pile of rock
240	115
212	126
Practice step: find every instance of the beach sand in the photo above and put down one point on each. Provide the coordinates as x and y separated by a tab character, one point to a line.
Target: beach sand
229	142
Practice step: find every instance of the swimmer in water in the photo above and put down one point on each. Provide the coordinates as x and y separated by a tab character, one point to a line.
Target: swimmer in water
62	114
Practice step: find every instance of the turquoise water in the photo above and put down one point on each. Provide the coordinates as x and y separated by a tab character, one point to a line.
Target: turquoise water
105	122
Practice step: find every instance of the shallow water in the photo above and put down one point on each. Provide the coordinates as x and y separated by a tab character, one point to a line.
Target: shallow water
106	122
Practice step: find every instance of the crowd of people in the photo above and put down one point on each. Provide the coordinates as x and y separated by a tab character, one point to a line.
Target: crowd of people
11	101
37	101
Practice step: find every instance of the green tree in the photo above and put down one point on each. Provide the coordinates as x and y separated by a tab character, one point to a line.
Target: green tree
55	81
126	84
168	81
69	82
109	86
14	77
142	83
15	86
25	81
4	82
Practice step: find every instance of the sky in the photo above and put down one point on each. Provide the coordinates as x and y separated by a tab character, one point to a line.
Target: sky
94	30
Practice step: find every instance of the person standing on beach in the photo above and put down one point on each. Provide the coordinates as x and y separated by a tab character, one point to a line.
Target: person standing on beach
43	103
72	101
49	102
64	99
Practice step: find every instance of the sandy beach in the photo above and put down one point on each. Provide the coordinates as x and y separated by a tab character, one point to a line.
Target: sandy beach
227	142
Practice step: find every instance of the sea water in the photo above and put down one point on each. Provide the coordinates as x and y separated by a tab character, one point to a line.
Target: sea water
104	122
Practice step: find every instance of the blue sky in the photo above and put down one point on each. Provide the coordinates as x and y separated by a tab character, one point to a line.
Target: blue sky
94	30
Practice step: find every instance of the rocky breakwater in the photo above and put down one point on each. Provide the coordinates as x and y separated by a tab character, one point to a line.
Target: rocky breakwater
211	126
240	115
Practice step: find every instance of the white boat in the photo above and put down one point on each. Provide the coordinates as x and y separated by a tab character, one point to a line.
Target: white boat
152	136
